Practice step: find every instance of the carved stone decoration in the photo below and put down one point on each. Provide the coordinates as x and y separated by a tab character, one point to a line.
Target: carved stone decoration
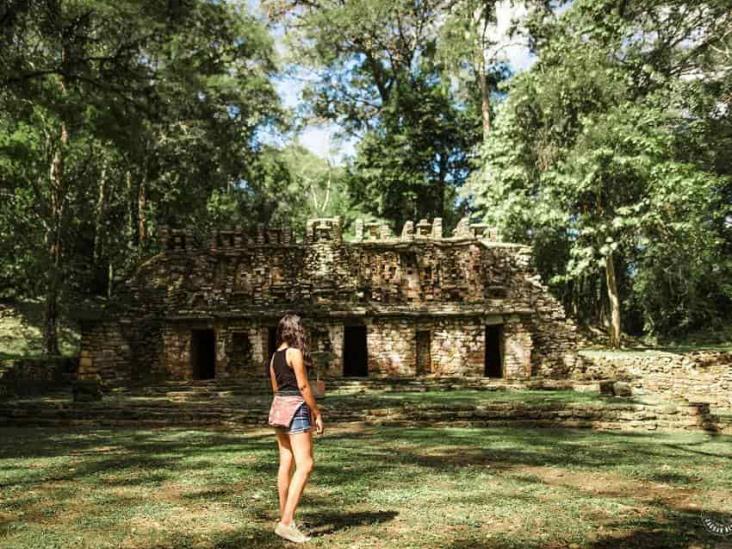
358	230
423	229
378	305
462	230
437	228
408	231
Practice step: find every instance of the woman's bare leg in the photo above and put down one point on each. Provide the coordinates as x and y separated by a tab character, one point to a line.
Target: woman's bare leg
302	448
287	461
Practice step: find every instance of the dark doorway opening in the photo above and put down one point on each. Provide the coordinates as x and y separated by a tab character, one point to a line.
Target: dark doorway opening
355	357
424	359
203	354
271	348
494	351
271	341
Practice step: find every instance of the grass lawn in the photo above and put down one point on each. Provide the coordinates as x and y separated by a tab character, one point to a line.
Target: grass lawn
378	486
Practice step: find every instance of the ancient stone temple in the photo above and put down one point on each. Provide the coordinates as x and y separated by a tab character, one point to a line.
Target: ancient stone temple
378	305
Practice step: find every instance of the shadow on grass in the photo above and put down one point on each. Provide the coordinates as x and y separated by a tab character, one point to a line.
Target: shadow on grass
358	463
260	536
676	527
666	526
383	447
324	522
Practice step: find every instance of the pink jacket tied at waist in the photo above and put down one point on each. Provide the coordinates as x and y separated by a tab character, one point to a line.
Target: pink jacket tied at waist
283	409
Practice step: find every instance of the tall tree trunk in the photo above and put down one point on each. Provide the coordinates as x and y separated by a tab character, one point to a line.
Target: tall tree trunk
441	186
110	279
612	294
99	213
480	19
141	217
485	102
600	303
57	187
53	241
130	212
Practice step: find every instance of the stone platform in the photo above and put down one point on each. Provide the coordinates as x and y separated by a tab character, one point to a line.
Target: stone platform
452	402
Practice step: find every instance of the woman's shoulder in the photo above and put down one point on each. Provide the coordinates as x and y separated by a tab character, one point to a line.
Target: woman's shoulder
293	351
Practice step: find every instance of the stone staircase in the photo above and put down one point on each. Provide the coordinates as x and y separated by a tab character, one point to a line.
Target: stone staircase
259	386
246	404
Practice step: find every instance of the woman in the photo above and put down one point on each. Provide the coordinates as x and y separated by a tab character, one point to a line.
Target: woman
289	376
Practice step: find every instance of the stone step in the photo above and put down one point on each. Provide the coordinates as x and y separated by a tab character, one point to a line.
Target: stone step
336	403
608	415
187	389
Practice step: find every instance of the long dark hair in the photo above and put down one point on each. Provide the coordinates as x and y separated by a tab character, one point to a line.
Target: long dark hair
291	331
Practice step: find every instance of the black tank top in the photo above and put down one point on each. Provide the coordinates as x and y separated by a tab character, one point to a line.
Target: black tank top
285	376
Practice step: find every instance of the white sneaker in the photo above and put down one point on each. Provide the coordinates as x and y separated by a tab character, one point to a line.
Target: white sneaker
291	533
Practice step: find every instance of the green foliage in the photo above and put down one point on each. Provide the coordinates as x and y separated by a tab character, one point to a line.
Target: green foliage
387	84
411	166
117	117
289	185
603	148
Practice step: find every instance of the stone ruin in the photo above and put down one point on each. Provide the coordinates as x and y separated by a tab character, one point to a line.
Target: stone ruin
379	305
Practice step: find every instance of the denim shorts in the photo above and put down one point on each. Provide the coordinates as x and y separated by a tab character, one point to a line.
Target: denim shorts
301	421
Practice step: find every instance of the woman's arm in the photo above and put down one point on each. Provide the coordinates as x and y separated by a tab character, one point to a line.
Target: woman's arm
302	380
272	375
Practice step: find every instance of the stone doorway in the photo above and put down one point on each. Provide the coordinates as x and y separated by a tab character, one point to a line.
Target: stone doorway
493	366
203	354
424	359
355	354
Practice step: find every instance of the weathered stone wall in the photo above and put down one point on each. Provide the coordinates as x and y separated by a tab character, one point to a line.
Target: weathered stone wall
700	376
30	376
240	284
176	351
390	346
518	347
105	352
127	348
326	336
456	346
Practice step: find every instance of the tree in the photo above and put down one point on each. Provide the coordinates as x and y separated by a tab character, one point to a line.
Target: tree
291	185
381	80
471	44
122	115
597	158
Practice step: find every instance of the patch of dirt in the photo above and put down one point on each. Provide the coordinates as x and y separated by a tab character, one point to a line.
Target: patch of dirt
144	524
613	485
106	450
38	511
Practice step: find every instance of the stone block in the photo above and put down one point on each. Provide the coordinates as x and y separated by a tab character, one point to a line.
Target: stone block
86	390
607	387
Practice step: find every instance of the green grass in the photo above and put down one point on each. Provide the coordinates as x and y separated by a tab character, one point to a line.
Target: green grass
372	399
705	339
371	487
21	335
651	351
